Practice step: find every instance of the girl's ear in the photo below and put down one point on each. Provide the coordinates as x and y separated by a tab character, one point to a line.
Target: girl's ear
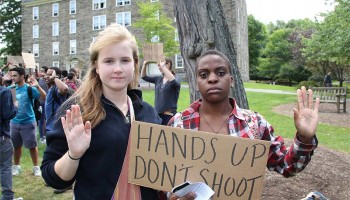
96	66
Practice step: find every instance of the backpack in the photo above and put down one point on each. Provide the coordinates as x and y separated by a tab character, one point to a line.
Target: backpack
36	104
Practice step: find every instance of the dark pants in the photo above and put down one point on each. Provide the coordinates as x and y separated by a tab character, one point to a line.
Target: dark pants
6	154
165	118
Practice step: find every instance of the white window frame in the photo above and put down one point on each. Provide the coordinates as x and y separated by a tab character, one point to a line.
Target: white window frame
177	39
99	21
55	10
123	18
55	29
55	48
35	13
72	26
36	50
73	7
35	31
123	2
72	47
99	4
178	58
56	64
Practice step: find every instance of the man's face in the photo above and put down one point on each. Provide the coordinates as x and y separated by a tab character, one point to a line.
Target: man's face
48	75
16	78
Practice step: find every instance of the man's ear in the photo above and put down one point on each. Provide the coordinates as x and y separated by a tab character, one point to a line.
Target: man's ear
232	82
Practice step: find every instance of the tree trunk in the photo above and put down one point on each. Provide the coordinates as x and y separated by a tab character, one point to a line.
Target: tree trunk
202	26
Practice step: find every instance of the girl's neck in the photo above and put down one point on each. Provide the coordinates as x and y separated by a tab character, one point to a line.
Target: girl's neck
223	108
118	98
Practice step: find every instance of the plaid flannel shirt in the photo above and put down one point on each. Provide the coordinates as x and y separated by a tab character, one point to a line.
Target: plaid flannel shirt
248	124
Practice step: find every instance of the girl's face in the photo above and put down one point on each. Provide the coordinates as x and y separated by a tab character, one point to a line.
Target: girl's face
213	78
115	66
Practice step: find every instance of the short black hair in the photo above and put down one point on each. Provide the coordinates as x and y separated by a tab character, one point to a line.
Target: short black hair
64	73
57	70
45	68
19	70
70	75
214	52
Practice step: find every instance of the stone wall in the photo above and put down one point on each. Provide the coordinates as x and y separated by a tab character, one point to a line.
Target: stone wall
235	11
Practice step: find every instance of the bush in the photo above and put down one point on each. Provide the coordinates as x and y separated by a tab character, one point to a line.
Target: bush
308	84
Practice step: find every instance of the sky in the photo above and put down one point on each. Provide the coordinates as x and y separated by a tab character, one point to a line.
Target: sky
267	11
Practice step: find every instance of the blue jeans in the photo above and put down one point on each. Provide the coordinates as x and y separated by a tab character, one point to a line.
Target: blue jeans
6	154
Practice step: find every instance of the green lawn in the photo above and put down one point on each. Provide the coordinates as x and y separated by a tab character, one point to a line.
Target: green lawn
29	187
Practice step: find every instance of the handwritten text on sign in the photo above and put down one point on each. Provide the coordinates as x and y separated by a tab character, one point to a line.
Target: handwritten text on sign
162	157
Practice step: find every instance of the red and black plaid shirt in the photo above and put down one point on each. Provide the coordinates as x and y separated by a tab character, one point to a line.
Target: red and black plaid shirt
248	124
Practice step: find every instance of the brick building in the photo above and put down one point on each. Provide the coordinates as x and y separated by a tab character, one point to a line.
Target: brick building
59	32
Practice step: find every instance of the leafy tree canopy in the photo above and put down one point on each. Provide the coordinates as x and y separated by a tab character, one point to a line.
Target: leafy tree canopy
10	27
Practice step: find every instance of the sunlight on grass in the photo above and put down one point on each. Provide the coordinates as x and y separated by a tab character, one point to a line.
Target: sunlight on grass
268	86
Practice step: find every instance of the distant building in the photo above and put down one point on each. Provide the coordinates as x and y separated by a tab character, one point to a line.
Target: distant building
59	32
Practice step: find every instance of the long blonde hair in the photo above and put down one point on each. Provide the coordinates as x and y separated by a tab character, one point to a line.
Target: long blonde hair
89	93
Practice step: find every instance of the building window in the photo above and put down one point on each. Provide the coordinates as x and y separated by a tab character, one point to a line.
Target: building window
98	4
99	22
124	18
55	48
55	29
35	13
72	26
72	47
73	7
56	64
154	1
123	2
179	61
55	8
36	31
176	35
36	50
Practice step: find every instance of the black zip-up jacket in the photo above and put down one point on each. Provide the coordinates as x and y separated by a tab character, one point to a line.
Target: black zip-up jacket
100	166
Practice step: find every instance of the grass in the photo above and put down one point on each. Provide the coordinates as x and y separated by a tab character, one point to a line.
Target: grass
29	187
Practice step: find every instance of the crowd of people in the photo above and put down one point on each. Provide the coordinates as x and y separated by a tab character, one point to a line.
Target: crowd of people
87	129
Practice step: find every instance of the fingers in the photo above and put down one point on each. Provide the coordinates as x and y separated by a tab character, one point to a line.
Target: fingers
300	100
310	100
88	127
304	95
188	196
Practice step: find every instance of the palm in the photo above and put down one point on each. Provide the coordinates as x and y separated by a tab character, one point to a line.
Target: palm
78	135
306	117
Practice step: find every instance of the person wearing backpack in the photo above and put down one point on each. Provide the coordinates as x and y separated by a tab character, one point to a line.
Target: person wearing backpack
23	126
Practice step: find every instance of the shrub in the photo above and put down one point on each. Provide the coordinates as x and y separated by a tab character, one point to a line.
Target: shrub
308	84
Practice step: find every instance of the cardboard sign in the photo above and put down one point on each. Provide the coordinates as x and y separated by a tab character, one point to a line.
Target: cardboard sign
162	157
15	60
29	60
153	52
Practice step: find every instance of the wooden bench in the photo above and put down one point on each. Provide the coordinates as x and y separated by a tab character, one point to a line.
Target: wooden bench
336	95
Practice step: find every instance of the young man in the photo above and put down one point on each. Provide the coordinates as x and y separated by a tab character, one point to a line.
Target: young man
56	95
8	110
22	127
217	113
42	121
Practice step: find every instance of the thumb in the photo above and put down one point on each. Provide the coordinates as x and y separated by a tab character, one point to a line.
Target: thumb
296	114
88	128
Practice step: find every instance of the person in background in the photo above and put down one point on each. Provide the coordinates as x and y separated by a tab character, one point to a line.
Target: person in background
88	144
8	110
70	81
64	74
167	89
42	121
23	126
327	80
77	79
218	113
